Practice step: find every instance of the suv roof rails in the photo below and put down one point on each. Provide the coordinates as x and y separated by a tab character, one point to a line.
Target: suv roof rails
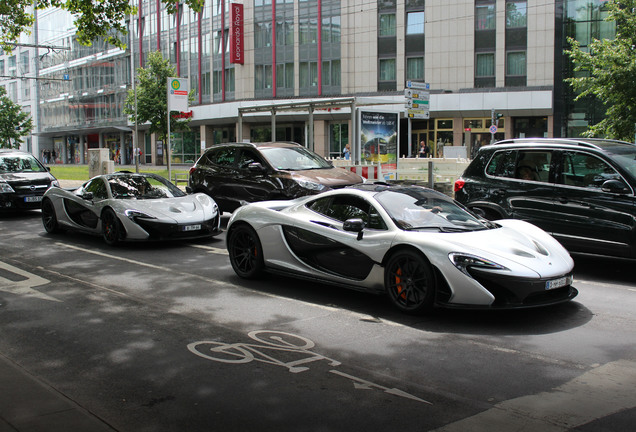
583	142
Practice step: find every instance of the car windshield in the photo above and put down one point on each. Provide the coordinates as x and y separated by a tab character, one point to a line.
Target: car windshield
626	157
421	209
142	187
293	158
17	163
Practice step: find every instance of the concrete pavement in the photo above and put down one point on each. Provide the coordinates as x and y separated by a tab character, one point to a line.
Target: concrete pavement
28	404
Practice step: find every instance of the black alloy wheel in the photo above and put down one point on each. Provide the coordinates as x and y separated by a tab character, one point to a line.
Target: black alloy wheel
111	227
246	252
409	282
49	218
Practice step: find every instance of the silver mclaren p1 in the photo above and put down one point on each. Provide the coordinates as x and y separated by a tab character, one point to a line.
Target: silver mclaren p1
416	245
125	206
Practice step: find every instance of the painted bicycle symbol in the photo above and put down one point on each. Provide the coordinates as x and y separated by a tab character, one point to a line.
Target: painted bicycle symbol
271	341
276	343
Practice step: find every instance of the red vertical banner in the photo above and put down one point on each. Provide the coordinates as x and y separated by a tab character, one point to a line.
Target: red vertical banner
236	33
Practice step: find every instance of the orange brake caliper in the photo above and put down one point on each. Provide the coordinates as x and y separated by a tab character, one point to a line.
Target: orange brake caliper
398	282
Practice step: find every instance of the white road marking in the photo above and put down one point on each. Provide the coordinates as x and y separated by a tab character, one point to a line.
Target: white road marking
360	384
24	286
595	394
210	249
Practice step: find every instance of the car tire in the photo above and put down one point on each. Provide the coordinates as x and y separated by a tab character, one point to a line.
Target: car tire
49	218
410	282
246	252
111	227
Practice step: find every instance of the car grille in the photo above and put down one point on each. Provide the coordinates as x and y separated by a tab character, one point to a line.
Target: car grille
517	292
164	231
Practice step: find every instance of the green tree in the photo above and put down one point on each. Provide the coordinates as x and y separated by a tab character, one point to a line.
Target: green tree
14	123
152	97
94	18
606	70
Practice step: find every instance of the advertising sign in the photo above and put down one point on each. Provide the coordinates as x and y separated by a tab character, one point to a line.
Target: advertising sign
236	33
379	139
178	90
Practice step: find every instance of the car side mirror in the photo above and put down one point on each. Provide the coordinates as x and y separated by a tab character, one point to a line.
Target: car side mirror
256	168
188	190
354	225
88	196
615	186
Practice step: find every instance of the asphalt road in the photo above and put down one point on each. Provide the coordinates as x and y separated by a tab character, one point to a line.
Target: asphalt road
165	337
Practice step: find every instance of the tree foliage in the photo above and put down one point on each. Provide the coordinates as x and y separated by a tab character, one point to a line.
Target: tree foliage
95	19
607	70
152	97
14	123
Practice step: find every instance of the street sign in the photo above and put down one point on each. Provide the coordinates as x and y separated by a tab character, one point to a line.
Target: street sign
418	114
410	93
418	85
417	104
178	94
493	129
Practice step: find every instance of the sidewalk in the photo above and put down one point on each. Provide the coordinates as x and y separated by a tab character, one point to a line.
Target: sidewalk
30	405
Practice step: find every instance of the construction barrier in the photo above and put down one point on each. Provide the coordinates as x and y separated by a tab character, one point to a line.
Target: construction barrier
369	172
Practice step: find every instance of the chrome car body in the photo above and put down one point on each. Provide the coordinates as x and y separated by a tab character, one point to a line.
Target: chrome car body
415	244
130	207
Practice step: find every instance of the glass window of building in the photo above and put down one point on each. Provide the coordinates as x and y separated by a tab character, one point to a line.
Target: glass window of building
485	17
485	65
335	72
415	68
387	25
516	14
415	23
387	69
516	63
24	62
338	138
308	74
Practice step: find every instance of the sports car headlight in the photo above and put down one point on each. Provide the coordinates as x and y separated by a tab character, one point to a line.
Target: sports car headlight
465	261
308	184
6	188
134	214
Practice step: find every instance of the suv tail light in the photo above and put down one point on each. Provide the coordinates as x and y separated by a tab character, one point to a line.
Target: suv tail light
192	169
459	184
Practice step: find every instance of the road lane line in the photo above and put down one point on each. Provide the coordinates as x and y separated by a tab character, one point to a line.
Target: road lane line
595	394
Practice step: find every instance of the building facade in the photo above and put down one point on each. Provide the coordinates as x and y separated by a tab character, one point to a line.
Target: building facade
297	70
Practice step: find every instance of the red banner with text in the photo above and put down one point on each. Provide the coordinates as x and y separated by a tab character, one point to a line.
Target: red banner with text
236	33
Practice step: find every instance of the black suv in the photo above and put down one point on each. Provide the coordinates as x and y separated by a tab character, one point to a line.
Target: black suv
23	181
234	174
579	190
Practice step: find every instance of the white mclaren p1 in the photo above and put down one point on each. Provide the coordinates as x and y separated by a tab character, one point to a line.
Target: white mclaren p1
125	206
415	244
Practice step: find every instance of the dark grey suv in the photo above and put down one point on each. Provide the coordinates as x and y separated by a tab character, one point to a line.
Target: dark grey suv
579	190
238	173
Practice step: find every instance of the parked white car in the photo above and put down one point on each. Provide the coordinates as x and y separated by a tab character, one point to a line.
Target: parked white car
130	207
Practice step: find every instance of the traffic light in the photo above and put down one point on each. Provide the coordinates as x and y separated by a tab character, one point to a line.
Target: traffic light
498	116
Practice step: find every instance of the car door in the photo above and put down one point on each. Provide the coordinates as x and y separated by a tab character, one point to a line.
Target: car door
591	219
219	177
321	242
84	209
528	198
254	181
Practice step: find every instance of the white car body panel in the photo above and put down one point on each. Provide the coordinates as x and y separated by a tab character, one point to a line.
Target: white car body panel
525	251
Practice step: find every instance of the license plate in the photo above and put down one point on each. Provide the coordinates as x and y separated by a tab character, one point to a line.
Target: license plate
558	283
191	227
35	198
